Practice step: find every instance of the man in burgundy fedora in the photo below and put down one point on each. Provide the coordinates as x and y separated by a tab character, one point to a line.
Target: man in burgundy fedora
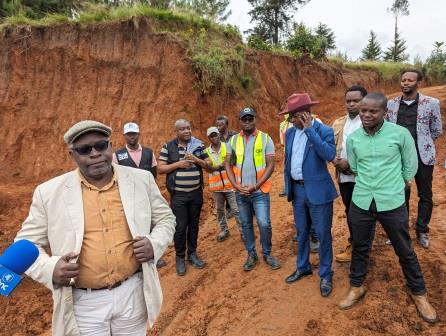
309	146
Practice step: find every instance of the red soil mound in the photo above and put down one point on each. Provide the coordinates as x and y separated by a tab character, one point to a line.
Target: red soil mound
53	77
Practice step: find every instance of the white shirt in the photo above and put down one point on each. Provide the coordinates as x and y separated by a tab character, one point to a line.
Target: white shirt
297	153
350	126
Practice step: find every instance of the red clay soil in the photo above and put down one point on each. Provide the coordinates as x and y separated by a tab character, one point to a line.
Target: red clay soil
53	77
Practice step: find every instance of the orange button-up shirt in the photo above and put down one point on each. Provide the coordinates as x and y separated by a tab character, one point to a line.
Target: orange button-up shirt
106	255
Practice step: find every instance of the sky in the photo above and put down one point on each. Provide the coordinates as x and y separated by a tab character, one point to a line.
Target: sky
352	20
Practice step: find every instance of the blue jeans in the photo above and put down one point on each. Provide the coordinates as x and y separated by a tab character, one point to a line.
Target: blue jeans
258	204
307	215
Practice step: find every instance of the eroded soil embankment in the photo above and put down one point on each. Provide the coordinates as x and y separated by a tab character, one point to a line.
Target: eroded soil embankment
115	72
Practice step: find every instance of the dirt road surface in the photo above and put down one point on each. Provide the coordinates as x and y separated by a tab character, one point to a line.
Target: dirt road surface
222	299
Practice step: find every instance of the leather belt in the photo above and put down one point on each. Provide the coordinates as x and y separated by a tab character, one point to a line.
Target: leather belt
301	182
110	287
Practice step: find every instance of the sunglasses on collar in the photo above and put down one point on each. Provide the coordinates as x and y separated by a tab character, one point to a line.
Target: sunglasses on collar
100	146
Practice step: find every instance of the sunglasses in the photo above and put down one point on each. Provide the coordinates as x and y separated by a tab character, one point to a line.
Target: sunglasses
247	119
100	146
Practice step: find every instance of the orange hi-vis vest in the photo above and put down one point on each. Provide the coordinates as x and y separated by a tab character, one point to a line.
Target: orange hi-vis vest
218	180
260	141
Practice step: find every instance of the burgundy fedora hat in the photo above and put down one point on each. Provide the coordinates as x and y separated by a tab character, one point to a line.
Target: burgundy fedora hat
298	102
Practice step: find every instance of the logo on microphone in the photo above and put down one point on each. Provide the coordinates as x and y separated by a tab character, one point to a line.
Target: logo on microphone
8	277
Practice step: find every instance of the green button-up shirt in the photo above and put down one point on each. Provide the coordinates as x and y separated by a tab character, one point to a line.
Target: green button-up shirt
382	162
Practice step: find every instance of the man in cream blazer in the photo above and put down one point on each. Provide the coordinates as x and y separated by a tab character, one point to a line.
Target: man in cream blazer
100	230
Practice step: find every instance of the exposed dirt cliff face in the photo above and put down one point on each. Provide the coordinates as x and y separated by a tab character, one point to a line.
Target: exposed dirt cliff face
52	77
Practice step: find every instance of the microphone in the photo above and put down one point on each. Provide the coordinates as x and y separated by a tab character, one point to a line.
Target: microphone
14	261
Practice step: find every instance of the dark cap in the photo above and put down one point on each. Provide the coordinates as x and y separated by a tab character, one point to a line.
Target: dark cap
247	111
83	127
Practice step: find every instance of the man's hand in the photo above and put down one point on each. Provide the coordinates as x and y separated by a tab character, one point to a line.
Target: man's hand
143	249
191	157
244	190
341	164
252	188
305	119
65	270
184	164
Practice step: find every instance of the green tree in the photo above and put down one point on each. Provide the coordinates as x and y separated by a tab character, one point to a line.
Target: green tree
322	31
273	17
37	9
372	51
396	52
436	62
303	41
215	10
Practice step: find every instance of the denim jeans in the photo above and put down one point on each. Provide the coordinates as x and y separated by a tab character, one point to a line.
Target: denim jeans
258	204
396	224
307	215
221	198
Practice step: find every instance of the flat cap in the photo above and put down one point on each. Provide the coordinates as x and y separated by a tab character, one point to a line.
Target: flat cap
83	127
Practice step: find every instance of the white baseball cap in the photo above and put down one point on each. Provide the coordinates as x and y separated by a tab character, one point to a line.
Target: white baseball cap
212	130
131	127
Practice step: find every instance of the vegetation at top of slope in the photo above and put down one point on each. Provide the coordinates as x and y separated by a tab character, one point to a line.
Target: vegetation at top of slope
169	19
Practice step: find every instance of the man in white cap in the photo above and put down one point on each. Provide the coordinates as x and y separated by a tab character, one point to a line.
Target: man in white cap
136	156
133	154
106	226
222	189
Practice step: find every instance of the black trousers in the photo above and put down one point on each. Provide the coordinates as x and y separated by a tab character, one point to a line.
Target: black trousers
423	179
186	206
395	223
346	191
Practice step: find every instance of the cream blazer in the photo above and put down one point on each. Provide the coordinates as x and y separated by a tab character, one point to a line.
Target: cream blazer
56	225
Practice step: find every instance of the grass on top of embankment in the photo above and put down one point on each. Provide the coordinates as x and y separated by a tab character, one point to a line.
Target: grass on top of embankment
170	19
388	71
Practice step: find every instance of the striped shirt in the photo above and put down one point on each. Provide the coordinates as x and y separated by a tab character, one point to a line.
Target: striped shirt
186	179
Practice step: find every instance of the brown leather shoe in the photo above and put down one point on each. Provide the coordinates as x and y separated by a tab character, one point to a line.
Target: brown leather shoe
354	295
424	308
345	256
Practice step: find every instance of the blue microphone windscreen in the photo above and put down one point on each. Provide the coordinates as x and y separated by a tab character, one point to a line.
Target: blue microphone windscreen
19	256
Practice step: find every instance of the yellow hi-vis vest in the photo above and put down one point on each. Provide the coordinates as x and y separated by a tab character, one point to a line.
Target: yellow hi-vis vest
260	142
218	180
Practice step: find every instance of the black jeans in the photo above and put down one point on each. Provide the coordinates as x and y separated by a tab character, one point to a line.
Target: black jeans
346	191
423	179
186	206
395	223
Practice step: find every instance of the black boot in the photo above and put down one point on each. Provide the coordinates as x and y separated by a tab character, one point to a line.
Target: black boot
181	266
195	261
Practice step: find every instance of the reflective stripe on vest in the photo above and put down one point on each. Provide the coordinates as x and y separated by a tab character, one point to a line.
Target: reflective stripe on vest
260	142
218	180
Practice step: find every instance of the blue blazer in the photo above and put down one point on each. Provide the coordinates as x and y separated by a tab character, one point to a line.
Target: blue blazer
320	148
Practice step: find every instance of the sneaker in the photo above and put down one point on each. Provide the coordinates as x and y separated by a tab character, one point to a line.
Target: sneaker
223	235
345	256
251	262
272	262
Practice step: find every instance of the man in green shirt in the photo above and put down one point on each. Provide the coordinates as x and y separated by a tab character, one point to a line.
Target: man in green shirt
384	159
